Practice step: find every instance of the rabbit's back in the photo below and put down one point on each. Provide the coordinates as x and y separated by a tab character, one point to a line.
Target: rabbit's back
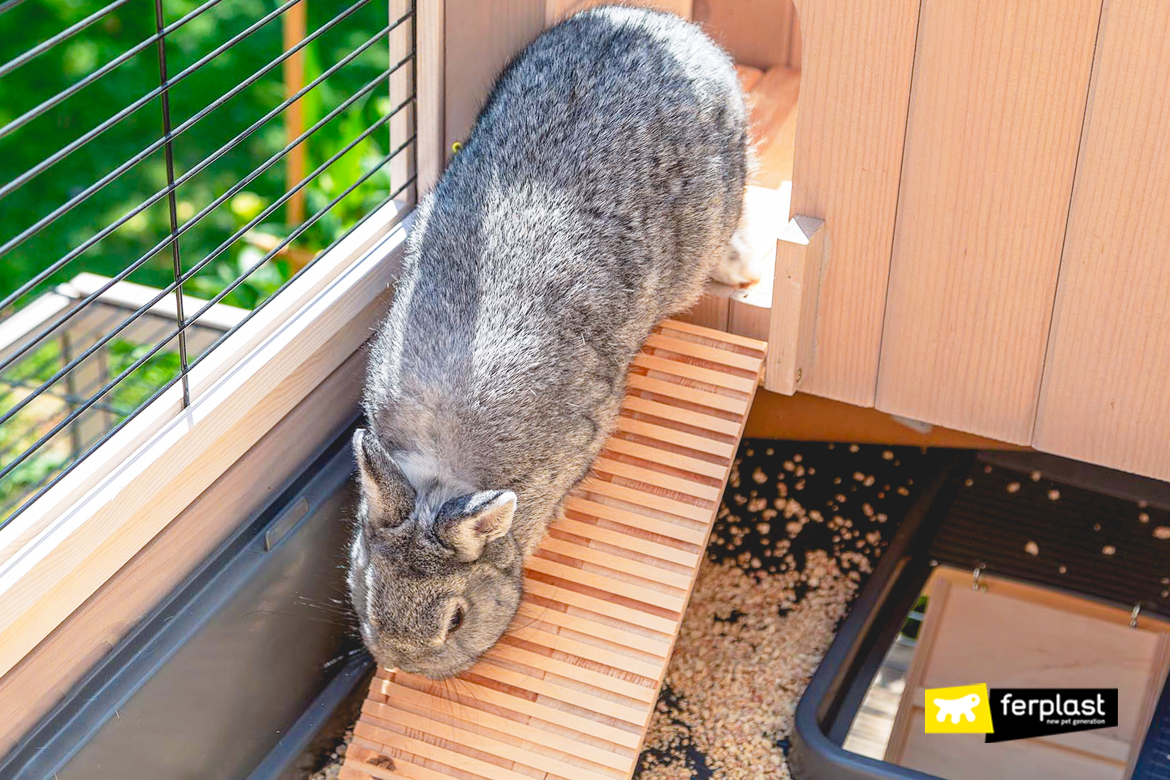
599	186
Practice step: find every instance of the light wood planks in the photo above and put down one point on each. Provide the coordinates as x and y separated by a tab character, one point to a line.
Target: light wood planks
995	118
1104	392
855	87
568	693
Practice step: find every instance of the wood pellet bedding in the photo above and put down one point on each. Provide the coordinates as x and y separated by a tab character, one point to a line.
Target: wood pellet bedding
798	532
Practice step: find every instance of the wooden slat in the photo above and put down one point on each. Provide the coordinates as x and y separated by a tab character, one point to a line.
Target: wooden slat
454	758
630	636
683	485
401	696
593	604
540	705
688	394
855	89
634	544
660	340
601	651
674	603
643	498
572	668
636	566
678	414
476	735
689	533
690	441
568	691
674	460
698	373
1104	393
557	694
753	346
979	233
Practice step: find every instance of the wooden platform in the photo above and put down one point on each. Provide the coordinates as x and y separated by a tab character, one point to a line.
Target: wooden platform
569	691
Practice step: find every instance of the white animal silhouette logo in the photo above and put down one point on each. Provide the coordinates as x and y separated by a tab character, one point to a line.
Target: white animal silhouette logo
964	706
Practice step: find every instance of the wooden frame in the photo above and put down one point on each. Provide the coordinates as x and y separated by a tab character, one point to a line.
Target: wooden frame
67	546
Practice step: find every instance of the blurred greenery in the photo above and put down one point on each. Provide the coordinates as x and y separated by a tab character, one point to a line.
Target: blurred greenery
34	21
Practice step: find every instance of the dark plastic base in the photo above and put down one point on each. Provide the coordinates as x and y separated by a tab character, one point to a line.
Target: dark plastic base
237	671
837	689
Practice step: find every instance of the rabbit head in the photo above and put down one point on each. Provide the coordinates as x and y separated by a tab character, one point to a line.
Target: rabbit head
435	581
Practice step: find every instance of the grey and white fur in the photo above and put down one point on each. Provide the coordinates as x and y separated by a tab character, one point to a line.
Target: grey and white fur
598	190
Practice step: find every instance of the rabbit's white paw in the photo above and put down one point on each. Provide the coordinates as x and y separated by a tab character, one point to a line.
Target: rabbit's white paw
753	246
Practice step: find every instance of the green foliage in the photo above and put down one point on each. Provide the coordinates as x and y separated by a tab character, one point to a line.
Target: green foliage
26	87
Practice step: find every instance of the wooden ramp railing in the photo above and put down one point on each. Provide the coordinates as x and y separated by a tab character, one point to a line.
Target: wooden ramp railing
568	693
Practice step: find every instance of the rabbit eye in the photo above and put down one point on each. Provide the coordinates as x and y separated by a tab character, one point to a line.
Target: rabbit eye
456	620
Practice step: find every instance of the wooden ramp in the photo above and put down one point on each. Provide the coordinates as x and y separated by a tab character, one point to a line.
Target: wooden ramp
568	693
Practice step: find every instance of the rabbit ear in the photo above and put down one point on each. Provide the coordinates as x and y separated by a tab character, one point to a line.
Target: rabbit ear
466	524
389	496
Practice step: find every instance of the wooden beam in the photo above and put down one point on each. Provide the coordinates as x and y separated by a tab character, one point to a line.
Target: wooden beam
804	417
74	538
430	58
480	38
801	262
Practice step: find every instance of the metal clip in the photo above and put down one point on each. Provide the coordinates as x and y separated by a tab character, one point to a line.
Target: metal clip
977	583
1133	616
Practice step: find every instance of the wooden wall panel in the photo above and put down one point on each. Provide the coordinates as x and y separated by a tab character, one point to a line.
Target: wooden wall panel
1104	397
991	142
479	39
855	88
559	9
757	33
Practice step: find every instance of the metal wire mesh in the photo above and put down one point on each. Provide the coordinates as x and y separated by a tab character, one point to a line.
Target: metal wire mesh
137	231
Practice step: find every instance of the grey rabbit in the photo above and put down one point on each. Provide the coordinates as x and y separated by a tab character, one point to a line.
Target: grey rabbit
596	193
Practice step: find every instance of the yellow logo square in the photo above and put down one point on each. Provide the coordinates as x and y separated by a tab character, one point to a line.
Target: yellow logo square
963	709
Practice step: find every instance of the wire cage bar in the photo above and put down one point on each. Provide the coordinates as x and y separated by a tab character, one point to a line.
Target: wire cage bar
117	279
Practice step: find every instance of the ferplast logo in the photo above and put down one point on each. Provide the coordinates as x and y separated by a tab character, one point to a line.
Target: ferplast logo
962	709
1004	714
